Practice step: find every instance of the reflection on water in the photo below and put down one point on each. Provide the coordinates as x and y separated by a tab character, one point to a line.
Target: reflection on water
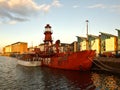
16	77
105	81
70	80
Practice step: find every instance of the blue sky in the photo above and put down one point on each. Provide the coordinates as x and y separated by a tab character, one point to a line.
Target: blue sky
24	20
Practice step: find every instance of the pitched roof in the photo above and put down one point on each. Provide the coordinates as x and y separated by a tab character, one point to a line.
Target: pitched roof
108	34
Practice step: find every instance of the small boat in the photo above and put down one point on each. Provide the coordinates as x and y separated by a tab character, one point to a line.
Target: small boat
29	59
29	63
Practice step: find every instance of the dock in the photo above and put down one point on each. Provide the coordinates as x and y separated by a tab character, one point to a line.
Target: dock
106	64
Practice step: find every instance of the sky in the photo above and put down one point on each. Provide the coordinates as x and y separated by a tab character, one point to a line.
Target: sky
24	20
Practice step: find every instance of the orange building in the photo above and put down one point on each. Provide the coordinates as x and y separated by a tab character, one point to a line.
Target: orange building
19	47
15	48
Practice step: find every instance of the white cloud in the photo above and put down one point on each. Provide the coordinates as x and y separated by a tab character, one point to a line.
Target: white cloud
46	8
56	3
76	6
111	8
12	22
97	6
115	8
21	10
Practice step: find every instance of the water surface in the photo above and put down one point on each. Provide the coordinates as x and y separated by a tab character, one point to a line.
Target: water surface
17	77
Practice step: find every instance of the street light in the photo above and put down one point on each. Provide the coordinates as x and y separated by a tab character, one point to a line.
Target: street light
87	34
87	27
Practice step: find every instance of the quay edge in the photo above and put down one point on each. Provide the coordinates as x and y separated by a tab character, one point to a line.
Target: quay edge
108	64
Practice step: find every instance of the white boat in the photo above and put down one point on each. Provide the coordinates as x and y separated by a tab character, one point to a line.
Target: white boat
29	63
29	59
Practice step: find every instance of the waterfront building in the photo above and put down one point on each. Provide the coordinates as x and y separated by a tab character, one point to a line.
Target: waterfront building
0	53
7	50
82	43
109	43
41	47
74	46
94	43
30	49
104	43
19	47
64	47
15	48
118	40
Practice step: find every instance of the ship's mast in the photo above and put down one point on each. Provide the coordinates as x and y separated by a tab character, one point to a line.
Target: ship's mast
87	43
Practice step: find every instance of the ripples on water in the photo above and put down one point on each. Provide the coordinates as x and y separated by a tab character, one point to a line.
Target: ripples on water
16	77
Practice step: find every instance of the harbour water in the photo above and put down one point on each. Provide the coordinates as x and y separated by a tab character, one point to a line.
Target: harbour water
17	77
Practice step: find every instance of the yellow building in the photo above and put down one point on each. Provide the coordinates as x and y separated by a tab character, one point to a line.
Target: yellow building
94	43
82	43
15	48
109	43
7	50
118	40
103	43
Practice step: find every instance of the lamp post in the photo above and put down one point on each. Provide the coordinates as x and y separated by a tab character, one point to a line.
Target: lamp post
87	43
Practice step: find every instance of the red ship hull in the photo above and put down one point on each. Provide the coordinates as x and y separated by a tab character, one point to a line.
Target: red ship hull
73	61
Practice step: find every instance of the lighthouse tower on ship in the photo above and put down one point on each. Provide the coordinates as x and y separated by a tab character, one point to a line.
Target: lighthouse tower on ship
48	38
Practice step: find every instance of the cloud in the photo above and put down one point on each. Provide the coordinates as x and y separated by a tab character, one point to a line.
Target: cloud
115	8
56	3
110	8
12	22
76	6
22	10
97	6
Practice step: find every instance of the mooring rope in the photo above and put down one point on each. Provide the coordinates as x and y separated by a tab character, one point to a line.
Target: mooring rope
98	65
105	67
